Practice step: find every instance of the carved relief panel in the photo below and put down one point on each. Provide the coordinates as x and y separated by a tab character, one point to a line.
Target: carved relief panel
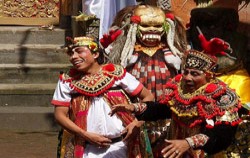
29	12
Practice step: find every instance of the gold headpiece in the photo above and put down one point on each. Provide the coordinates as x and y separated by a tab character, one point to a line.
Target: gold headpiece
83	41
199	60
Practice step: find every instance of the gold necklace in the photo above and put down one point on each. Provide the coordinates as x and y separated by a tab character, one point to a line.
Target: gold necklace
147	50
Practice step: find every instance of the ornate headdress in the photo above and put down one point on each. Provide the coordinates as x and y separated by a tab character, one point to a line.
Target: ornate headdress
207	60
199	60
83	41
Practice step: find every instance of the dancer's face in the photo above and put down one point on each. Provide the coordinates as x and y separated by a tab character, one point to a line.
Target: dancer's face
193	79
82	58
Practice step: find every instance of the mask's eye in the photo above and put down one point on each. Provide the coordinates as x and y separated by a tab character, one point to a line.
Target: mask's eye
158	26
145	25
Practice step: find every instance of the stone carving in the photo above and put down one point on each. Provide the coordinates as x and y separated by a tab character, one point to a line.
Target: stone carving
29	8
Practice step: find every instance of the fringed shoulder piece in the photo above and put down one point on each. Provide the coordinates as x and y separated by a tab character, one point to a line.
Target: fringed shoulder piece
112	70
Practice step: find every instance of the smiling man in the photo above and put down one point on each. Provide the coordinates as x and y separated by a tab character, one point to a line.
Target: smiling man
83	99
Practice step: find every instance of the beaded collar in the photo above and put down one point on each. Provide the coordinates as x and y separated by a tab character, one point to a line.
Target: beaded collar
209	101
94	84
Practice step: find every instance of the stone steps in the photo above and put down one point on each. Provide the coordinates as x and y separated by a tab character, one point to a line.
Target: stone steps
25	95
30	63
31	73
31	35
27	119
32	53
26	107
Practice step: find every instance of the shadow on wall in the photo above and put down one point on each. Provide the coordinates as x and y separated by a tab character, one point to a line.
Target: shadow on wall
22	50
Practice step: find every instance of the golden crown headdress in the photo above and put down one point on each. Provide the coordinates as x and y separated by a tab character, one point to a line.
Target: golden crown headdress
83	41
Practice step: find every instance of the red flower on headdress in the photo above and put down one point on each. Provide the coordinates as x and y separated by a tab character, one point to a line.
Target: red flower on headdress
107	39
92	47
170	16
211	88
135	19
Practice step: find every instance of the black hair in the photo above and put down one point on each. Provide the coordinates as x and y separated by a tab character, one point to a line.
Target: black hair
100	58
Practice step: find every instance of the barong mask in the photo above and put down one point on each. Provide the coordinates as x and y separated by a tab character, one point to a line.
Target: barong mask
150	26
147	27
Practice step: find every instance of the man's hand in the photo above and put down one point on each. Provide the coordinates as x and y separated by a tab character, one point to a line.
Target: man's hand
122	107
132	130
175	148
97	139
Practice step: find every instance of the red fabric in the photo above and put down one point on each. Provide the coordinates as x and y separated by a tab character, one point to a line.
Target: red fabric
214	46
137	90
107	39
170	16
60	103
135	19
211	88
152	72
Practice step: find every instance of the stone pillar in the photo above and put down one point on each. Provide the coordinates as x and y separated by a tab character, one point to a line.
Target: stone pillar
76	8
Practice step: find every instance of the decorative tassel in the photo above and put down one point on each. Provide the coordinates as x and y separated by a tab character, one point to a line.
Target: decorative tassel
170	38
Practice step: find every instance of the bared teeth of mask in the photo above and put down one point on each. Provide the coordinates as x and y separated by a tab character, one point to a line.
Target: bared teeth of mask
143	37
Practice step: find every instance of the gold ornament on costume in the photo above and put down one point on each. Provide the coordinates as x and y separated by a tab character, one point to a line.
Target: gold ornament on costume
94	84
150	51
199	60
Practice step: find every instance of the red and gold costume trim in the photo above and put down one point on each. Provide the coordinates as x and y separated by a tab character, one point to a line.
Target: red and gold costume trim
150	51
139	108
211	101
94	84
197	140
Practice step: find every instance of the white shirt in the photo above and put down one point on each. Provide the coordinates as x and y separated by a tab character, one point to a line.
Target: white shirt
98	118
